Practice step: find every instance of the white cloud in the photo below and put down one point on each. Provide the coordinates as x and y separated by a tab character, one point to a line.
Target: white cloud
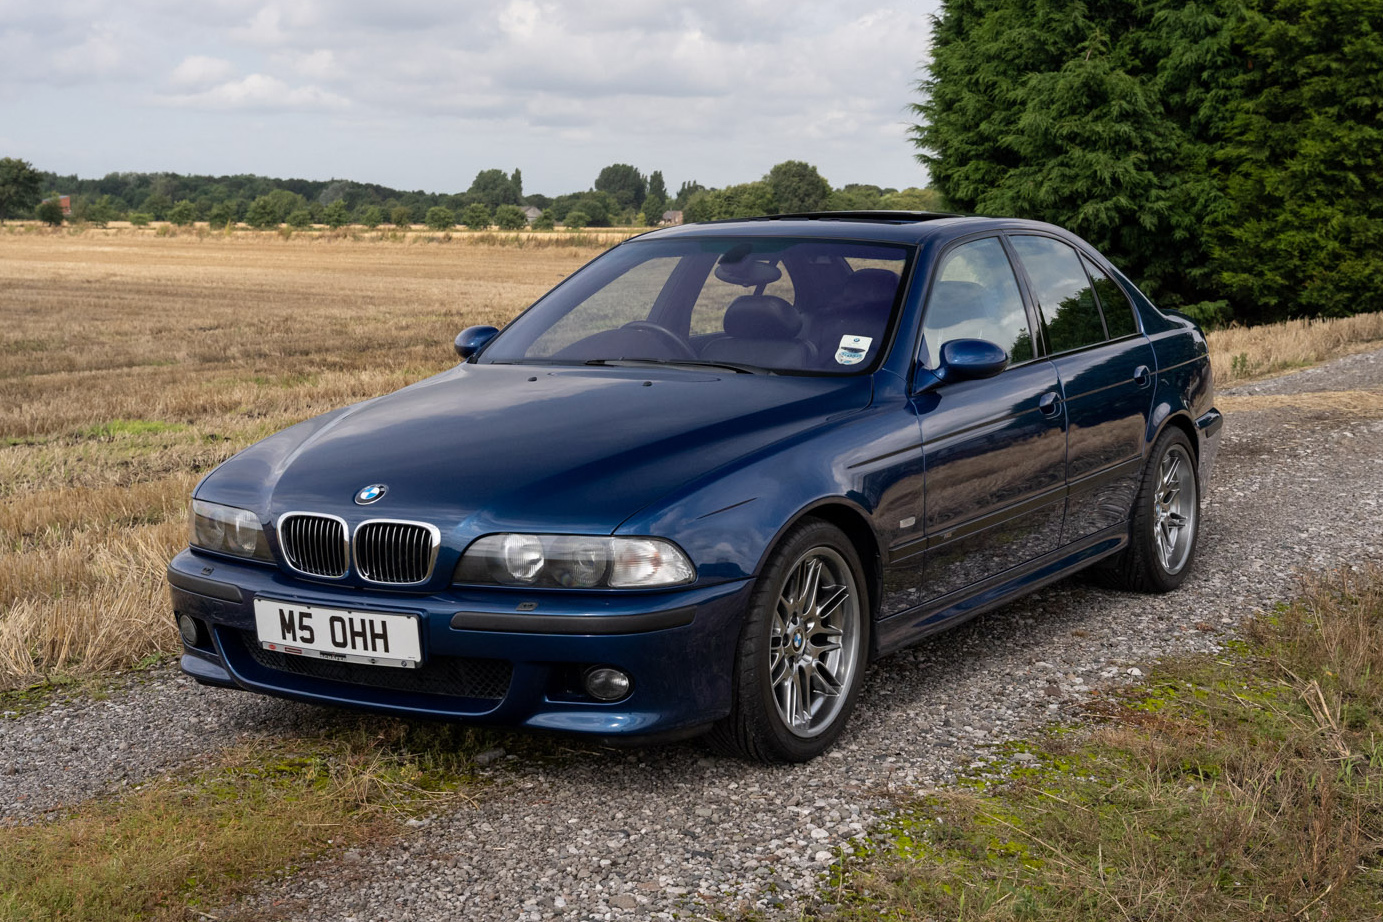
319	65
102	54
264	28
259	91
199	70
519	19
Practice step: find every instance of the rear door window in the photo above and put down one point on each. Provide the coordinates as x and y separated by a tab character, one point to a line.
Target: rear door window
1064	294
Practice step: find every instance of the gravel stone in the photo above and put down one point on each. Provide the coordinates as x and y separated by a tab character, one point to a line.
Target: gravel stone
669	832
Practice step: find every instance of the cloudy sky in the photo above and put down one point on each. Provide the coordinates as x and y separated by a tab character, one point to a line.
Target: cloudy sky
422	94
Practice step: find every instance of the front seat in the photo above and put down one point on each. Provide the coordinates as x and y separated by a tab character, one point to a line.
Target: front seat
762	330
861	309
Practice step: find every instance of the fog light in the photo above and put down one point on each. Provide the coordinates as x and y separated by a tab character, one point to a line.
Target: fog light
605	683
189	631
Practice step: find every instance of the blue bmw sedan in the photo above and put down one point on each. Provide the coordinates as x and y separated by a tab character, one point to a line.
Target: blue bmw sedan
699	485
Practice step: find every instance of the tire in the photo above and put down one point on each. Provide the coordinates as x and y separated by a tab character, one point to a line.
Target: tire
1165	526
801	652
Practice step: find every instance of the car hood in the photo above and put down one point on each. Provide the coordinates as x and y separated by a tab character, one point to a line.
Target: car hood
523	446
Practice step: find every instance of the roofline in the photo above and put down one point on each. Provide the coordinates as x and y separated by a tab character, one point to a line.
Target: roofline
891	217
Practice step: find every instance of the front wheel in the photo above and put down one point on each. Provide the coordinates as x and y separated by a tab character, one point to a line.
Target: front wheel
801	652
1166	520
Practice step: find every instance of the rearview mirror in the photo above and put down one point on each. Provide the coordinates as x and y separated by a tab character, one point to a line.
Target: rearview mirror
968	359
472	339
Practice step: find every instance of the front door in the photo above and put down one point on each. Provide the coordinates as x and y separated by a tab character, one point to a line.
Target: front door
994	450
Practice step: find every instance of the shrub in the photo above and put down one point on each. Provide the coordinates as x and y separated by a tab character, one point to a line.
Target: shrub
401	216
476	217
510	217
221	215
576	220
49	213
336	214
300	218
440	218
183	214
545	221
140	219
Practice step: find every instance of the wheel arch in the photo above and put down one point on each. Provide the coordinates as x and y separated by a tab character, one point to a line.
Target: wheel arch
854	523
1183	422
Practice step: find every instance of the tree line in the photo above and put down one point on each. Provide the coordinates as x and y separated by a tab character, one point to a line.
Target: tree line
620	195
1227	154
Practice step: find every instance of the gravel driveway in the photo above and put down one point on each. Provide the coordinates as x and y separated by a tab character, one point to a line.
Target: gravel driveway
650	833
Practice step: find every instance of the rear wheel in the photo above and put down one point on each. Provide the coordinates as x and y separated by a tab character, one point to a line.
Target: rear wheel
801	652
1166	521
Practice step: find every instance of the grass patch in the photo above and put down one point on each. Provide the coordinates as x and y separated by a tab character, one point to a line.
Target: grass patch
1249	786
181	844
128	428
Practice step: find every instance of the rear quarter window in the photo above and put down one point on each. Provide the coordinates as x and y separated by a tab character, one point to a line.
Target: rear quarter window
1118	310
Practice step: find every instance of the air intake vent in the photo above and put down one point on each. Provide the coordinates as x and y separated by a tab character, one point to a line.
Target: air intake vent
400	553
315	544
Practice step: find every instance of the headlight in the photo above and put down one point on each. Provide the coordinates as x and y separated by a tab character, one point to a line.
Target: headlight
574	562
228	530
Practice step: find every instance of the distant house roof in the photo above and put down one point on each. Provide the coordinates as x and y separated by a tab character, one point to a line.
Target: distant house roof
532	214
64	200
672	217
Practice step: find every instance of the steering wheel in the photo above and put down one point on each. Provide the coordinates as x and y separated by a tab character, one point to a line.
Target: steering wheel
680	350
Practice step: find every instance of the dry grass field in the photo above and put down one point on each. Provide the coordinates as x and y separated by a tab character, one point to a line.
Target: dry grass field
130	363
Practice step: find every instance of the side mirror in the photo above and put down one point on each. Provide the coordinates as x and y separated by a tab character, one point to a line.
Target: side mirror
472	339
969	359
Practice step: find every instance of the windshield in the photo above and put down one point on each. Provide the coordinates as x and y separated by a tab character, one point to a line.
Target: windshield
785	305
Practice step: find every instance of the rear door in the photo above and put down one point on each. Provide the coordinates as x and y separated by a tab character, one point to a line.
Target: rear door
1106	366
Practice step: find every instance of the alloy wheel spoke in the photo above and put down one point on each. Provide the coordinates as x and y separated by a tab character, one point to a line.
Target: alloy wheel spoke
811	587
801	693
778	660
834	599
778	671
786	692
1171	470
825	681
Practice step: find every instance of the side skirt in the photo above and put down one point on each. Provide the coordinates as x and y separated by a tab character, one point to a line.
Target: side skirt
950	611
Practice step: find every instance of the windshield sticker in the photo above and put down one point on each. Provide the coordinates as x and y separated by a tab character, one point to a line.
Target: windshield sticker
853	349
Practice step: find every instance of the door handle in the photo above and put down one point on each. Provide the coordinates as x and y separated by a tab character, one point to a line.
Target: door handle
1142	376
1049	403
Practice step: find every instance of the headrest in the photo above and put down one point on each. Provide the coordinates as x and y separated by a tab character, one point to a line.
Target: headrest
870	285
762	317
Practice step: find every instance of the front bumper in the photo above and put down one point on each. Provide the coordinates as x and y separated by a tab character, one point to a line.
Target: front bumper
502	657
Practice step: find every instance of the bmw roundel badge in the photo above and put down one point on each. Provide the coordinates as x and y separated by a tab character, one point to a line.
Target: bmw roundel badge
370	494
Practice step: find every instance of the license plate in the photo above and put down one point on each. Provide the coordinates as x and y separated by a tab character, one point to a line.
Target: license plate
368	637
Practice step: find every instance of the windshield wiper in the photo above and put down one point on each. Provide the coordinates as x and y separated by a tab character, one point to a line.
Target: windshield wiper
736	367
